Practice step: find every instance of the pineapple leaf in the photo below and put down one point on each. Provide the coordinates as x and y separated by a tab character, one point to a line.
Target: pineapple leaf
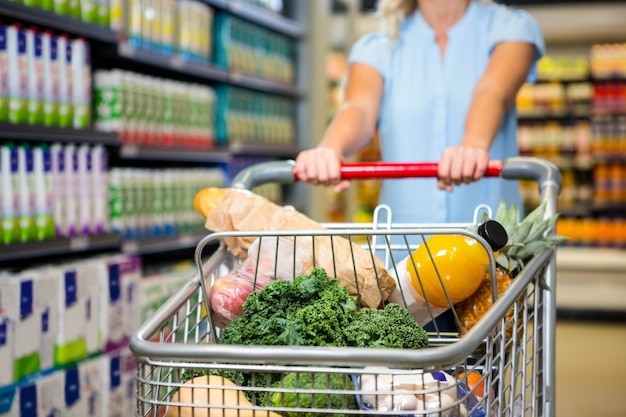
485	217
520	234
510	221
531	248
537	214
555	240
501	212
539	230
507	263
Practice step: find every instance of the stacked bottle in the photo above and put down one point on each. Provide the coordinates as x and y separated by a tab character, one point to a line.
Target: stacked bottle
45	79
156	112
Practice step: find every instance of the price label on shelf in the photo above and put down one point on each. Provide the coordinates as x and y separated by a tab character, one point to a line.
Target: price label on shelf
79	243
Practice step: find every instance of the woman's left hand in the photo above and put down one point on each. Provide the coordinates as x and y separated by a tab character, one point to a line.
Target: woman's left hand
461	165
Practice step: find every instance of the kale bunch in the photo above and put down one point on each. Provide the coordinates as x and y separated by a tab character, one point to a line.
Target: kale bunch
391	327
313	310
296	383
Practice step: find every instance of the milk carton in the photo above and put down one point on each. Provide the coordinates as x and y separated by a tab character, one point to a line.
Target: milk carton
88	380
79	312
128	381
53	392
113	394
29	324
119	277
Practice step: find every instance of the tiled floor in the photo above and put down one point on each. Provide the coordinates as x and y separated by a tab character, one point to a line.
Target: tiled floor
591	369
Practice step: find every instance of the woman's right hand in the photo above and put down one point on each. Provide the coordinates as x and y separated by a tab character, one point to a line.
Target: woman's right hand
321	166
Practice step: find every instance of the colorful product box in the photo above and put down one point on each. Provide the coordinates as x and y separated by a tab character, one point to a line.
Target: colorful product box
87	378
119	318
78	311
28	324
113	395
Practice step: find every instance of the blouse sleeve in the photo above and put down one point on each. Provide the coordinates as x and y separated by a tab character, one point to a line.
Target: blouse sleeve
518	26
374	50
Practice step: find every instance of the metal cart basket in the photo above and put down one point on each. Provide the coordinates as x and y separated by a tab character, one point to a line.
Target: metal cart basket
510	349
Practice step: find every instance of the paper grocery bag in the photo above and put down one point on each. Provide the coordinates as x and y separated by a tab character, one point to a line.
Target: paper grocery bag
239	210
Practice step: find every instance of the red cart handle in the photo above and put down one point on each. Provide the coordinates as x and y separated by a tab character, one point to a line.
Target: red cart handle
386	170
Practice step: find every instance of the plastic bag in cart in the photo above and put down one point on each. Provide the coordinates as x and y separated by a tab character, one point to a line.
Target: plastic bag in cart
427	394
269	258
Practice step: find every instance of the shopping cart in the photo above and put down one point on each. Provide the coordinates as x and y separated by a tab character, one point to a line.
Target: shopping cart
514	354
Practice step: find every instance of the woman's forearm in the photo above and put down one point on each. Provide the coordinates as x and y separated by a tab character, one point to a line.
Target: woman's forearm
349	132
484	118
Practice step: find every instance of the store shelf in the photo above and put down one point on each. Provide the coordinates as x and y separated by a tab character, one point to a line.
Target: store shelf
172	154
259	16
20	251
161	245
206	71
245	149
55	134
553	117
58	22
262	85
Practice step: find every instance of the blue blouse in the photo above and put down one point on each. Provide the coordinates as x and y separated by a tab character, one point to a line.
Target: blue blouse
425	102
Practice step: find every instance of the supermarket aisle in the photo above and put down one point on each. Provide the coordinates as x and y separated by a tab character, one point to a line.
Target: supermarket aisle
591	369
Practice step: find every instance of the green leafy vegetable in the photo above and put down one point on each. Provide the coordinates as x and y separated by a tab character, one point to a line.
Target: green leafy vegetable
391	327
311	311
295	398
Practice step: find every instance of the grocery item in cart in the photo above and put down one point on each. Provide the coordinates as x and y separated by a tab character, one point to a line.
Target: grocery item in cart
526	238
418	393
234	210
217	391
445	270
268	258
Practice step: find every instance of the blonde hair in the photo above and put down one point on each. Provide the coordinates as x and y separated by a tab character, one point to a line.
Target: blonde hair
393	12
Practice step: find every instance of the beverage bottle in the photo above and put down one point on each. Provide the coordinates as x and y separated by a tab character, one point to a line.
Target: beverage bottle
445	270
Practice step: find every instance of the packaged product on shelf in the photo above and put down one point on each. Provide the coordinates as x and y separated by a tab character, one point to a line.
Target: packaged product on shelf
27	227
112	390
134	22
35	77
118	383
30	321
81	88
117	15
116	210
118	277
100	166
74	8
70	165
57	154
169	227
89	11
54	392
66	116
88	401
129	204
44	193
168	22
10	194
62	7
104	12
83	192
17	66
108	100
50	79
78	308
4	76
128	381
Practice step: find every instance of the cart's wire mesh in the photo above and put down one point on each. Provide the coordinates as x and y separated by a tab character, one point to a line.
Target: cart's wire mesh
499	376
